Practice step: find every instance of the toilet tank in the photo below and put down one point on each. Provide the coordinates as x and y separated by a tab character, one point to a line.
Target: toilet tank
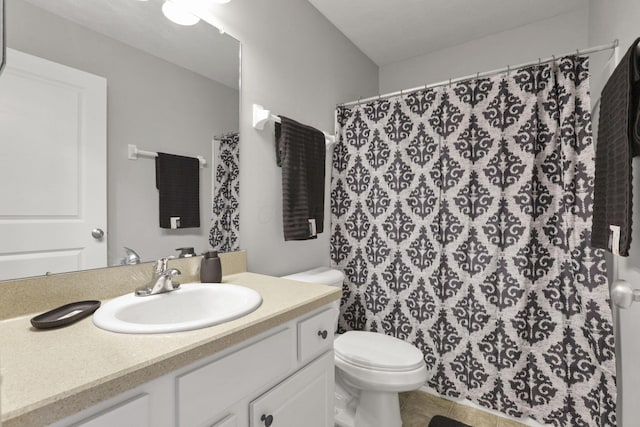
321	275
324	276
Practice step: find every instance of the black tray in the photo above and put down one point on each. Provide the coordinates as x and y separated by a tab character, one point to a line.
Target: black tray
65	315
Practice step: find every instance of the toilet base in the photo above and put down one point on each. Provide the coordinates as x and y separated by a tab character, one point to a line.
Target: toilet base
346	400
378	409
373	409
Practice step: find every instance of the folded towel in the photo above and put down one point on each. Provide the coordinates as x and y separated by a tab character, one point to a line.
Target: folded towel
618	142
178	184
440	421
300	152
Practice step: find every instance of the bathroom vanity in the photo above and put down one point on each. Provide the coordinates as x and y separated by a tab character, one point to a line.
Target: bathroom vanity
272	366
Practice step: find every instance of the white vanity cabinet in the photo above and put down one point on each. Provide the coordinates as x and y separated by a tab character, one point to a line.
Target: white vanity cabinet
283	377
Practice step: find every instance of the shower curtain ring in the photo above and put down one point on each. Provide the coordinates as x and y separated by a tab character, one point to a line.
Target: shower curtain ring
478	75
449	81
508	70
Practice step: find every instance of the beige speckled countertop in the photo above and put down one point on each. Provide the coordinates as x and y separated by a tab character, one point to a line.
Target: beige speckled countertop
48	375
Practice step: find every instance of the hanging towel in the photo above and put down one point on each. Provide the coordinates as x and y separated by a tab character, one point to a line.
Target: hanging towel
178	184
618	142
300	152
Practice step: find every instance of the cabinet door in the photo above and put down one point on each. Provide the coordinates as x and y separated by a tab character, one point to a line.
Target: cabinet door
205	393
305	398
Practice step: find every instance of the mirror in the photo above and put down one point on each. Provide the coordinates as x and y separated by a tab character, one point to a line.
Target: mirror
81	73
3	47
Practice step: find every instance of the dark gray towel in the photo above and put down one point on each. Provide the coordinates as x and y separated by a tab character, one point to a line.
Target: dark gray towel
618	142
178	184
300	152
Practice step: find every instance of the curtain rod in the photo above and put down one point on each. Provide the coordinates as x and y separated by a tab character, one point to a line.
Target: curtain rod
508	68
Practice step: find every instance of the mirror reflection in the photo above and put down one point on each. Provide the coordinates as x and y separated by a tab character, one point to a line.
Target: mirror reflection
85	81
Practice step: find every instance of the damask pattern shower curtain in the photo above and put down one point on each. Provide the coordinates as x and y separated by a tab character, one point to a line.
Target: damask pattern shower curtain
225	226
461	217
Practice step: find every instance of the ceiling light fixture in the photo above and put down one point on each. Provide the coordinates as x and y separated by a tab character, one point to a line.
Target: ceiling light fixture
178	14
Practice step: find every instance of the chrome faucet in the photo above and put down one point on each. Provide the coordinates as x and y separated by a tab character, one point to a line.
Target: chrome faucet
161	281
131	257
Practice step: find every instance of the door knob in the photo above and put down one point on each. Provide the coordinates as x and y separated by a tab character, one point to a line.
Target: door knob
97	233
623	295
322	334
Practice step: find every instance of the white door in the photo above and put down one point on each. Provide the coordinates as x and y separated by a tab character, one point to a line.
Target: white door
52	167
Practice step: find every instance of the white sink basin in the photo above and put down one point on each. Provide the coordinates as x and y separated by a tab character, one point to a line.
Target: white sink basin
193	306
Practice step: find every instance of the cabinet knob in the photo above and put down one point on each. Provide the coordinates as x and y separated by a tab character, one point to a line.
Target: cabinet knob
267	419
323	334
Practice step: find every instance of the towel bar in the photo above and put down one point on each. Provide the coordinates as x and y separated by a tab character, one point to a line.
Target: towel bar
262	116
133	154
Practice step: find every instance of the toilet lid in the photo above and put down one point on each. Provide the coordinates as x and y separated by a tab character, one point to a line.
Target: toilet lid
377	351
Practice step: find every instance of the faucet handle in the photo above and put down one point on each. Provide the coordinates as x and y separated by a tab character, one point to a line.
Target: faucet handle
170	274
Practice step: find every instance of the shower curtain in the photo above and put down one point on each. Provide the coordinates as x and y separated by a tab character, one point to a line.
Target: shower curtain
461	217
225	225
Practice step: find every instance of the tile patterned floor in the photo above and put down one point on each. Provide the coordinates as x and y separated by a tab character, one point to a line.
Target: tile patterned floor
417	408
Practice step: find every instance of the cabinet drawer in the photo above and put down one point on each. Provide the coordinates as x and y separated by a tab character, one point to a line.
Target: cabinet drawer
133	413
315	334
207	391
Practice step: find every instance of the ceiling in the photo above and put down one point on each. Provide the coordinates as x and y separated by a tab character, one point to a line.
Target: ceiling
389	31
141	24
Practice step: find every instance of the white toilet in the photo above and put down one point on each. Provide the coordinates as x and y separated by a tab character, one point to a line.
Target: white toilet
371	368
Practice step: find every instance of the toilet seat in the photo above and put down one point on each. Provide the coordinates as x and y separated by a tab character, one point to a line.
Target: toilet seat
372	361
380	381
370	350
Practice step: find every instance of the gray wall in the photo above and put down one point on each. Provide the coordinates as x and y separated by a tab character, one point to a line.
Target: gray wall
609	20
151	103
557	35
297	64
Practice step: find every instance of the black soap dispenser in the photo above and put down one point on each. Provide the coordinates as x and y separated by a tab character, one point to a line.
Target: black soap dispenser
210	268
